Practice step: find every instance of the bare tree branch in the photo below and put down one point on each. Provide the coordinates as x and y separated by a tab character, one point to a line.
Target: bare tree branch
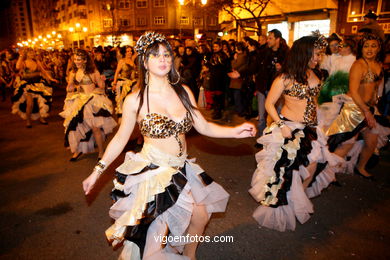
236	8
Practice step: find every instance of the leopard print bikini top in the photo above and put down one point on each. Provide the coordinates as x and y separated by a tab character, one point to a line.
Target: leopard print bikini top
303	91
155	125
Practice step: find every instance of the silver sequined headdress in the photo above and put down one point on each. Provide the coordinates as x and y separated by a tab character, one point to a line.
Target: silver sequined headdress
148	39
321	41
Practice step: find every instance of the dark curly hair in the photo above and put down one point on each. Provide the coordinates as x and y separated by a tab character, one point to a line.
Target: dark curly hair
380	57
89	66
123	50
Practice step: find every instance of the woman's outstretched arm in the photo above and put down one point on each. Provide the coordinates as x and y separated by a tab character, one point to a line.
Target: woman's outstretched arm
118	142
213	130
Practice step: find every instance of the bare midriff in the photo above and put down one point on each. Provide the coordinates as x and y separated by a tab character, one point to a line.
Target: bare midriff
294	108
168	145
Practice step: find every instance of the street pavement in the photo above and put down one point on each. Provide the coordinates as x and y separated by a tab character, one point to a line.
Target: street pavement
45	215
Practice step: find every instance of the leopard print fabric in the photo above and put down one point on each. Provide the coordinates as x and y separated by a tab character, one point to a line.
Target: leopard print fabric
302	91
155	125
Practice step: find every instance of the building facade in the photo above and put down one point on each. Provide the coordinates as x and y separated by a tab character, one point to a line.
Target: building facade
111	22
351	15
43	16
20	20
293	18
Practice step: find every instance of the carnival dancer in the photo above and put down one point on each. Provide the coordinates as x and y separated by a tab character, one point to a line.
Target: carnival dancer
358	114
159	191
33	95
287	173
87	111
336	84
124	80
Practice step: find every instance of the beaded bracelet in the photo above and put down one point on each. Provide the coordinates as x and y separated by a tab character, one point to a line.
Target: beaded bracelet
280	123
100	167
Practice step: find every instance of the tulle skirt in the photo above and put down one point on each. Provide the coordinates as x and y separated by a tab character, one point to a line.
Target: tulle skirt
154	196
123	88
82	112
41	94
277	183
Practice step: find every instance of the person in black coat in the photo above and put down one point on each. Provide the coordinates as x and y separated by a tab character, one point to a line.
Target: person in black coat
219	67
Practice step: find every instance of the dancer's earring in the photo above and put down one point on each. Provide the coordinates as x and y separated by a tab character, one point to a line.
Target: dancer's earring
174	83
147	77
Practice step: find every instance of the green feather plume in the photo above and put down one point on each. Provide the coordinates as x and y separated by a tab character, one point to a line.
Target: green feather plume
336	84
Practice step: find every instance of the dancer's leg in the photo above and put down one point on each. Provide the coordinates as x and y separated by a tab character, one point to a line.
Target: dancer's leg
97	134
311	168
370	142
29	107
197	225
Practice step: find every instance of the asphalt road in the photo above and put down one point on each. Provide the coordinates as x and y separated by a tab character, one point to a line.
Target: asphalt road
45	215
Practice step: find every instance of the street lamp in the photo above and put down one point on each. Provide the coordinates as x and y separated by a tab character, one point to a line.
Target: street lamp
77	30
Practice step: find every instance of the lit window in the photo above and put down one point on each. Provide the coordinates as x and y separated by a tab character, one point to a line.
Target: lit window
142	3
358	8
159	20
184	20
159	3
124	22
197	20
107	22
124	4
141	21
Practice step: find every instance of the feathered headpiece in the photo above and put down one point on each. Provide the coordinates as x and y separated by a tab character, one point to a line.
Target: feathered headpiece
148	39
321	41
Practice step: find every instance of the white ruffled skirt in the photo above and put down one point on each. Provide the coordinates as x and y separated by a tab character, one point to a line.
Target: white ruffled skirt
277	183
42	98
155	194
82	112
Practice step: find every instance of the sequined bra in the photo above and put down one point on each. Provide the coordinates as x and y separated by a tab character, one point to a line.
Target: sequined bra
302	91
370	76
155	125
85	80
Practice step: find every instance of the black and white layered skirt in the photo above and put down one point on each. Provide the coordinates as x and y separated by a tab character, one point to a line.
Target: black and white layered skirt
277	183
82	112
154	196
42	97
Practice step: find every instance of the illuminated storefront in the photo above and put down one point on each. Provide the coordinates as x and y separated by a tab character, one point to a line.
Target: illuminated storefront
351	15
304	28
